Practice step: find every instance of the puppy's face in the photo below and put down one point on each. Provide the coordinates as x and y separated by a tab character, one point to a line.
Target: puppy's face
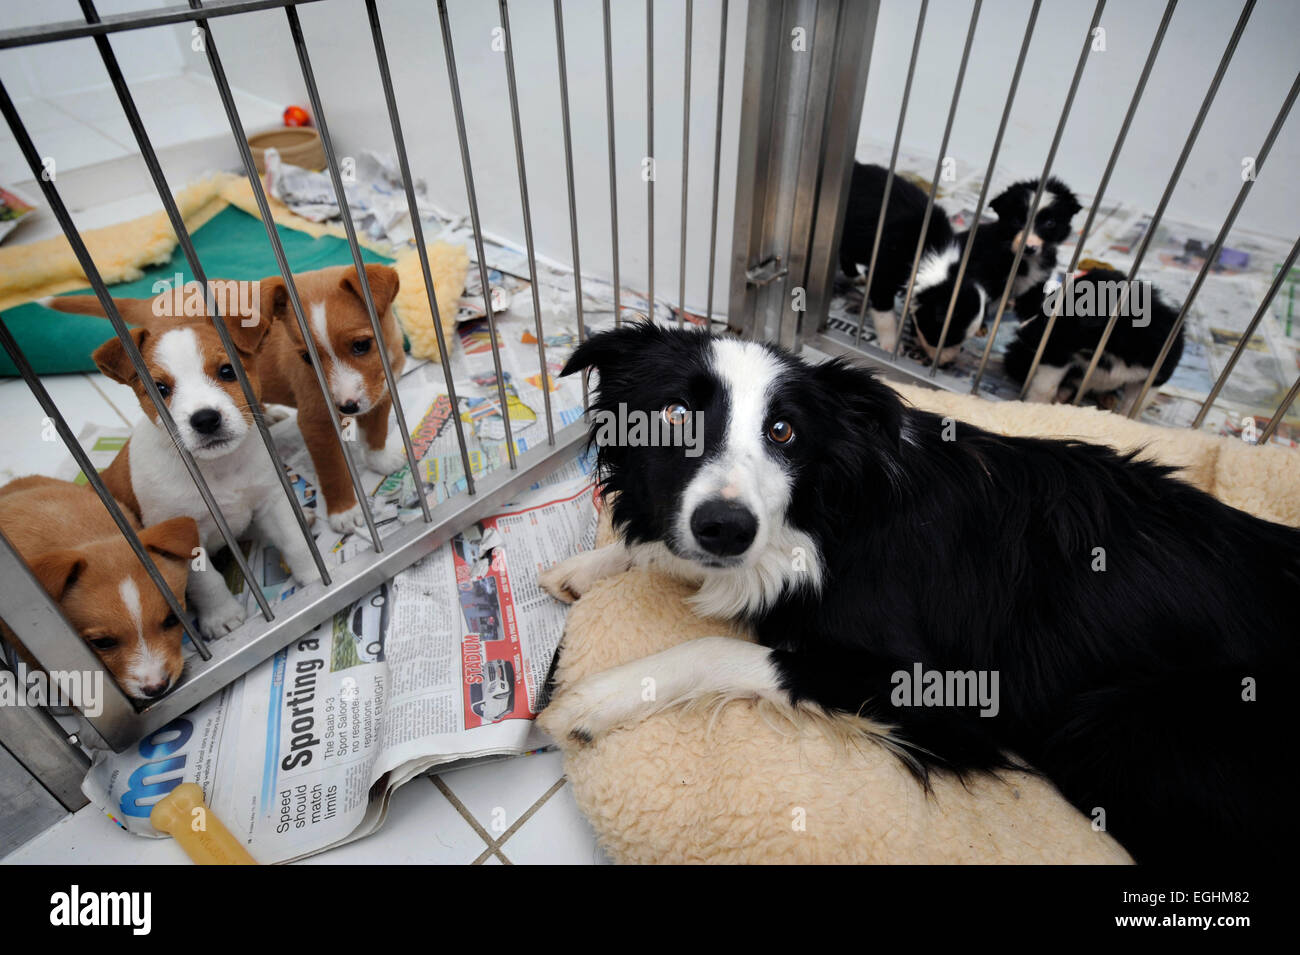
931	307
1052	222
339	322
765	426
196	379
110	600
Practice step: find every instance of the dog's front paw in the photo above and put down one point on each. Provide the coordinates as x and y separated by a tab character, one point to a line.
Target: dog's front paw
596	705
349	521
386	460
570	579
226	617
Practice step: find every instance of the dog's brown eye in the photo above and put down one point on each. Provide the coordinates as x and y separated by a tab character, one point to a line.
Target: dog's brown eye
163	389
103	643
676	413
780	432
361	346
170	621
226	372
306	357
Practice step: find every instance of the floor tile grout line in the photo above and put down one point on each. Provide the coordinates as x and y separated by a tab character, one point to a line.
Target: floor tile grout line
459	806
107	399
495	847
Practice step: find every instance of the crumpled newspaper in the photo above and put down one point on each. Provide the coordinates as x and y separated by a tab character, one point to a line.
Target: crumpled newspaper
372	185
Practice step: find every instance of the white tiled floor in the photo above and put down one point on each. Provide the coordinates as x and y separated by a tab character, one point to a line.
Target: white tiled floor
430	821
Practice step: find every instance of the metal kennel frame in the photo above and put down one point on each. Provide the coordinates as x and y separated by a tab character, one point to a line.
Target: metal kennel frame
795	138
796	156
32	735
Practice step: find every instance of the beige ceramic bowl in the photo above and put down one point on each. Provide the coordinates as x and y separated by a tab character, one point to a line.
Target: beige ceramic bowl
297	145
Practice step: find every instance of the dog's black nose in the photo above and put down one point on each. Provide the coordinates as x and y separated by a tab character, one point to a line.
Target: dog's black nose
724	528
156	690
350	408
205	421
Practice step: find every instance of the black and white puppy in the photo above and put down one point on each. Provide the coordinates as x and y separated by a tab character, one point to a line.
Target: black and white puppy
935	274
1142	633
1086	304
996	243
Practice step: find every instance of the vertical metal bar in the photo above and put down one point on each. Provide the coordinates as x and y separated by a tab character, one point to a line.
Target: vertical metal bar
562	63
650	146
1038	194
1246	336
1267	434
686	165
613	168
528	220
717	157
1156	43
417	227
282	262
1164	202
1212	256
137	360
150	158
984	186
332	162
938	170
893	163
459	110
110	504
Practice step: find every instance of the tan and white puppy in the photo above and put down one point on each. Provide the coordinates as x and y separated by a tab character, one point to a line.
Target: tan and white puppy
197	381
73	547
340	327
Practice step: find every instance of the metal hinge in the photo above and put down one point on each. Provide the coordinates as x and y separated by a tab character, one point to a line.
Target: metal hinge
766	272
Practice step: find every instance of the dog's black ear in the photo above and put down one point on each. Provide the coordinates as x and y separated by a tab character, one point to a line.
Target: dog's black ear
1065	197
864	403
605	350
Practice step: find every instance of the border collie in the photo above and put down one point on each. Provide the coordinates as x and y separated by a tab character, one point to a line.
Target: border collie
934	276
996	242
1087	302
1143	634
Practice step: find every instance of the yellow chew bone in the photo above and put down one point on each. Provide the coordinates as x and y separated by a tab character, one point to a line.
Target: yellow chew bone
183	814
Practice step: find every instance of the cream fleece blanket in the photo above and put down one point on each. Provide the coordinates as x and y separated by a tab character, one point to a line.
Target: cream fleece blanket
743	782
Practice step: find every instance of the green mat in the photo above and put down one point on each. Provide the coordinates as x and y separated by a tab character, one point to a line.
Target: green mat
231	245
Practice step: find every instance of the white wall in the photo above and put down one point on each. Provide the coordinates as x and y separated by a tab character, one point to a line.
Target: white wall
1252	91
259	57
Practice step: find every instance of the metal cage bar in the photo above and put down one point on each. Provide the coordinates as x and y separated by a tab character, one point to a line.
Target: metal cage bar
653	171
686	166
893	165
1213	255
934	180
1038	193
984	186
613	167
282	263
528	220
1177	173
345	214
717	158
458	110
417	229
1267	434
1086	231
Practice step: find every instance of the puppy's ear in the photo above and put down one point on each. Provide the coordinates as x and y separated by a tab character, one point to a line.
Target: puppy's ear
58	570
864	404
383	281
111	357
605	351
176	538
146	312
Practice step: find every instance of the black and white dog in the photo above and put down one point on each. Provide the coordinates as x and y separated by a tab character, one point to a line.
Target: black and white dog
1086	304
935	275
1142	633
996	243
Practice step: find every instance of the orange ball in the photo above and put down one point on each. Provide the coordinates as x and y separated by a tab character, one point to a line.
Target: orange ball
296	116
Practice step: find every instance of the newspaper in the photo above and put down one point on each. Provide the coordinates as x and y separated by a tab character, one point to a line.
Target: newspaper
1227	300
444	662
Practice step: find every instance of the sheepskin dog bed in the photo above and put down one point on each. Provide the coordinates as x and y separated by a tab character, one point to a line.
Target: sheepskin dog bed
739	781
